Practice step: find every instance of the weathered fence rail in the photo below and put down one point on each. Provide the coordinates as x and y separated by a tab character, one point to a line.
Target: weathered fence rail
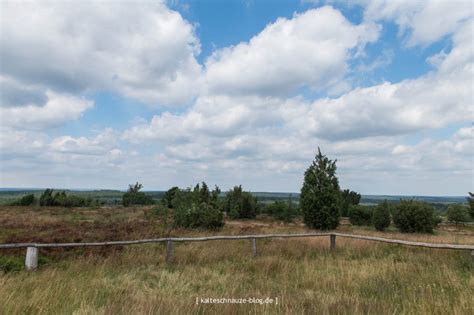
31	260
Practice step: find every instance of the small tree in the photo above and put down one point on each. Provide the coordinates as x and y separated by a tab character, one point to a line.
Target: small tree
348	198
134	196
281	210
360	215
26	200
215	201
46	199
414	216
381	216
319	199
239	204
458	213
191	210
169	196
470	199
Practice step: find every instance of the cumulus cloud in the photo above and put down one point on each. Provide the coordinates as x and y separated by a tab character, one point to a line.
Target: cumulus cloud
249	120
59	108
105	142
309	50
432	101
422	22
142	50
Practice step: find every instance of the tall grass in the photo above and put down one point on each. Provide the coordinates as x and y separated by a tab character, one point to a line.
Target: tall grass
359	277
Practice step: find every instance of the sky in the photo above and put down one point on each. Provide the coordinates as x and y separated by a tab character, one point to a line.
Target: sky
102	94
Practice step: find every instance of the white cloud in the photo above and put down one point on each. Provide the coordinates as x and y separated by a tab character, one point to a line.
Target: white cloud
434	100
244	124
59	109
424	22
140	50
103	143
309	50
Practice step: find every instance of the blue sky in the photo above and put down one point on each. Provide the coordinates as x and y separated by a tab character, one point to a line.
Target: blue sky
237	92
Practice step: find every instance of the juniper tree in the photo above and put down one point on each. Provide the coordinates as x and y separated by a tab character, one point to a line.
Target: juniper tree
320	194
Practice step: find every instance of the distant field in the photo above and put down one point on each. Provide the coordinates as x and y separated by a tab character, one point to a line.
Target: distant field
360	277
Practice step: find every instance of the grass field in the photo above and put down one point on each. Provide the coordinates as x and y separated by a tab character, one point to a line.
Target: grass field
360	277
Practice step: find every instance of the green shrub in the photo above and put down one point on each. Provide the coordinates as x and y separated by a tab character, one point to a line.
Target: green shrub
239	204
26	200
360	215
49	198
348	198
320	195
169	196
470	200
458	213
202	216
46	198
134	196
414	216
194	209
381	216
11	263
281	210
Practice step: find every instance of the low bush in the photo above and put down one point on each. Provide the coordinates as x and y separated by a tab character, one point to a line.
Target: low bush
281	210
458	213
414	216
26	200
202	216
195	209
381	216
134	196
239	204
360	215
49	198
348	198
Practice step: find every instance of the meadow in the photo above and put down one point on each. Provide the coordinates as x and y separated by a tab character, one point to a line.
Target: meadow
299	275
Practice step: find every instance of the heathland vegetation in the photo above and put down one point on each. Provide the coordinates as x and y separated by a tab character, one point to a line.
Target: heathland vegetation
358	277
320	204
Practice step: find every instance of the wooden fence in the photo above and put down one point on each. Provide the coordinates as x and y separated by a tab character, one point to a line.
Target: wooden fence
31	260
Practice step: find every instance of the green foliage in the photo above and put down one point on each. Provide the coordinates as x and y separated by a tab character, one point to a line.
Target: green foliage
381	216
360	215
46	198
134	196
26	200
281	210
215	200
348	198
169	196
163	214
414	216
239	204
197	209
458	213
49	198
194	216
11	263
470	199
320	196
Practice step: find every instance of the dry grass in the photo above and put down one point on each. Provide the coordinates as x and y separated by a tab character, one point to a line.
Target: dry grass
360	277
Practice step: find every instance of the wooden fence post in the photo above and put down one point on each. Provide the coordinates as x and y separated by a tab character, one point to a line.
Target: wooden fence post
333	241
31	260
169	251
254	247
472	256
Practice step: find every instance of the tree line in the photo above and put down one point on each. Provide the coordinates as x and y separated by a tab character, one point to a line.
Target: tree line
321	204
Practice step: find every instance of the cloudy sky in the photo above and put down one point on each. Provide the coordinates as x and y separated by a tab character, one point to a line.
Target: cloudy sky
102	94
